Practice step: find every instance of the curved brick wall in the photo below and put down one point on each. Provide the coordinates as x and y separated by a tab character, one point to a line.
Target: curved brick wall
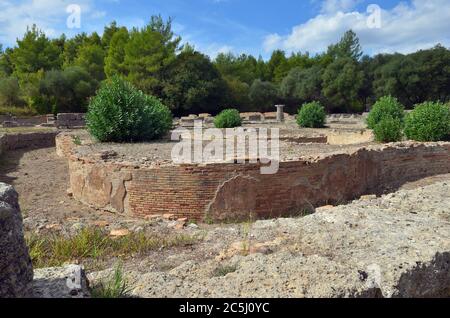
233	192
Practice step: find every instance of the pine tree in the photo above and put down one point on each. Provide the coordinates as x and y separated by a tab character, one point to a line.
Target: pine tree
148	54
114	62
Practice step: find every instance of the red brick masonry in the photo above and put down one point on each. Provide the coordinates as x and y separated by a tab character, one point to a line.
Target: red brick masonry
222	192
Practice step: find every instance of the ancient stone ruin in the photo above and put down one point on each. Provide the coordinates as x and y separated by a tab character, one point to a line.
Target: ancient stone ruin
366	236
16	271
227	191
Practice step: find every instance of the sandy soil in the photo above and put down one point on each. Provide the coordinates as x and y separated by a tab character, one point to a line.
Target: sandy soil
42	179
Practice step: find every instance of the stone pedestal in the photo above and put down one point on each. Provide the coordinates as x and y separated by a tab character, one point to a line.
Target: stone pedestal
280	113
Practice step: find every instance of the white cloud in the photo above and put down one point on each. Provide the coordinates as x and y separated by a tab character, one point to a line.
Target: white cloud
49	15
405	28
332	6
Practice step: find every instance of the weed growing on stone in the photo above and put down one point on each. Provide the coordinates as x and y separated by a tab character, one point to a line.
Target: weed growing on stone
76	140
246	242
224	270
116	286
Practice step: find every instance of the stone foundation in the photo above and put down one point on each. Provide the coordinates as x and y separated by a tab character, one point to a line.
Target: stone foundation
230	192
27	140
70	120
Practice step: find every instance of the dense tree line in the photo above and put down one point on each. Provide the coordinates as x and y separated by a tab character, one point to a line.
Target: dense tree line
57	75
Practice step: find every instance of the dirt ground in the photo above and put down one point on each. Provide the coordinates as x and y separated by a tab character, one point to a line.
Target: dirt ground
41	179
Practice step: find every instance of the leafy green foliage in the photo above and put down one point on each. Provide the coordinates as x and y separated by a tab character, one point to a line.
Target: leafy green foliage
386	106
65	91
263	94
238	93
33	53
244	68
229	118
342	80
414	78
108	33
91	57
388	129
194	85
6	66
348	47
429	121
302	84
114	62
311	115
121	113
10	92
148	54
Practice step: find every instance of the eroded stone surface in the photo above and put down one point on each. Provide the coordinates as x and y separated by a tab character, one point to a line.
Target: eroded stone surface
397	245
60	282
16	272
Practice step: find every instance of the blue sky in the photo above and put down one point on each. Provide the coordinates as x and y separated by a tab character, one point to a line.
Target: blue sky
249	26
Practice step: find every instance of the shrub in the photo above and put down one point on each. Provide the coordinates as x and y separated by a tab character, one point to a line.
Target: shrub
388	130
429	121
121	113
311	115
386	106
229	118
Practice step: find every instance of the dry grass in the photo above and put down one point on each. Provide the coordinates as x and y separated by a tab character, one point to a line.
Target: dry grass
95	245
24	130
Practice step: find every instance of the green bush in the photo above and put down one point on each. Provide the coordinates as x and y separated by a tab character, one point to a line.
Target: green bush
229	118
389	130
311	115
429	121
121	113
386	106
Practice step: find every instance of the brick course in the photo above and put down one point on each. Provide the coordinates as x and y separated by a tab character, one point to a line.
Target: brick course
235	192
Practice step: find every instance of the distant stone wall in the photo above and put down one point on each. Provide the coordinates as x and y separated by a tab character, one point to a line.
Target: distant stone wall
13	121
346	118
70	120
27	140
234	191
